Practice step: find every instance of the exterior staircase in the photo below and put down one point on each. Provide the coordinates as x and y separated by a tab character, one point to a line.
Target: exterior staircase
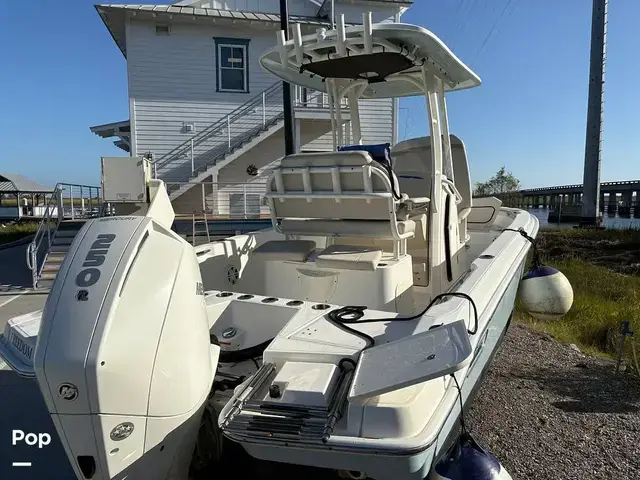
213	143
229	137
67	210
60	243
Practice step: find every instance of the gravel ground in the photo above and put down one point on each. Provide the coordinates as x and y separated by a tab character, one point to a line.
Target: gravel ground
548	412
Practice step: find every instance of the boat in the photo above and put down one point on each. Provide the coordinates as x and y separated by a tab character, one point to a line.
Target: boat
347	336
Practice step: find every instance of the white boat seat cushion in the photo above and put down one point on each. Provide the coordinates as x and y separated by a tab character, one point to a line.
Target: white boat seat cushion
350	228
417	247
349	257
292	250
326	159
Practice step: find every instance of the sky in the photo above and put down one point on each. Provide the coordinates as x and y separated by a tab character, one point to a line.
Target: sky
60	73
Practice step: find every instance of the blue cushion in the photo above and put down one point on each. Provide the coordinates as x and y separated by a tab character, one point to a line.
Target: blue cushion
380	152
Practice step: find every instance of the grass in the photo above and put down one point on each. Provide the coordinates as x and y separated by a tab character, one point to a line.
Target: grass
15	231
603	296
610	234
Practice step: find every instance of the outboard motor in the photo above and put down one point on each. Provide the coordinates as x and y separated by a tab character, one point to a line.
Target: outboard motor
123	357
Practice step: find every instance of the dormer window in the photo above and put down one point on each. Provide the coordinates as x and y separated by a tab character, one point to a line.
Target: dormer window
232	61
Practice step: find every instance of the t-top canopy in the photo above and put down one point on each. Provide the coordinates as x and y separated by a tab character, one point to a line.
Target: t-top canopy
380	55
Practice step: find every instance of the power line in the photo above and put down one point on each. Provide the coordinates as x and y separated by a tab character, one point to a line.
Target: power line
469	16
458	9
495	25
464	15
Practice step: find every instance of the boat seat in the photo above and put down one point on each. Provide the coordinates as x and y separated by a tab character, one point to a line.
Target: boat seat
347	228
349	257
285	250
335	194
417	247
326	159
412	165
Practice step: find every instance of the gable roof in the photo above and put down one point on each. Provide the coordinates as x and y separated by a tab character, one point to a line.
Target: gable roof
13	183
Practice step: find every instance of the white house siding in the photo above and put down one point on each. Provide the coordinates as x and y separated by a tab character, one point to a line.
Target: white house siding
172	79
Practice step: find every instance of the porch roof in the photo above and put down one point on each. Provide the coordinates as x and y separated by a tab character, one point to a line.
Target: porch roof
14	183
112	129
114	17
121	129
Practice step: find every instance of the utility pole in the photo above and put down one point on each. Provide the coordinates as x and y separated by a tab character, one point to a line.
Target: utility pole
590	214
289	146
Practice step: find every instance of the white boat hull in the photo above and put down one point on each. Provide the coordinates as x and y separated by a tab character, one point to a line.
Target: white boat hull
415	465
413	458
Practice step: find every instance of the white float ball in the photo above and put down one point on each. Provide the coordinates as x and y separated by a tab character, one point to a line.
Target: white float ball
546	293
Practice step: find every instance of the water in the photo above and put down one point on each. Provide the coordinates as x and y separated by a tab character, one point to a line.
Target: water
610	221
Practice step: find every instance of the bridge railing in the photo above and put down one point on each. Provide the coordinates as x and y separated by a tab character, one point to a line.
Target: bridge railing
604	185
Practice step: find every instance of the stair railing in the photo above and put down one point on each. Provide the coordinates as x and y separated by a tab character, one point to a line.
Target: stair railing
259	110
76	194
216	141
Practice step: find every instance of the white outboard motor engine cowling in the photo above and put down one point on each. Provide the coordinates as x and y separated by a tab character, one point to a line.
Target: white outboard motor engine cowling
124	359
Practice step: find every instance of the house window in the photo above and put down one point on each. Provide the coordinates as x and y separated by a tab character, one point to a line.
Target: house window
232	65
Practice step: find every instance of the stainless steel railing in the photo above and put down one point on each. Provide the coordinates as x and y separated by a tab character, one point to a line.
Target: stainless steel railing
68	201
222	137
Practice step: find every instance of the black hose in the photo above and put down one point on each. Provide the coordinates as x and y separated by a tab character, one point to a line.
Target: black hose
351	314
236	356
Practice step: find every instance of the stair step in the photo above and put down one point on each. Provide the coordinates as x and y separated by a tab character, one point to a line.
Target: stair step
60	248
50	268
48	276
67	233
55	257
62	240
71	225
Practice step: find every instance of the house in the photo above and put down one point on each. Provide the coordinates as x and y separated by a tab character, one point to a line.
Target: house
202	106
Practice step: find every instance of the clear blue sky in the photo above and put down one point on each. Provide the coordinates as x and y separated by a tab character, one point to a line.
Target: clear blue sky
62	72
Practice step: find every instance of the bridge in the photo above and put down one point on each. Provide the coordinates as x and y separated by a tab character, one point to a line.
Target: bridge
615	196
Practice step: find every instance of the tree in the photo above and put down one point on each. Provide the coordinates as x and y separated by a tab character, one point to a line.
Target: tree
501	183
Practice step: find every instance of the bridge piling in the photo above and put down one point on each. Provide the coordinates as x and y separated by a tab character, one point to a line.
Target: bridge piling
590	214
